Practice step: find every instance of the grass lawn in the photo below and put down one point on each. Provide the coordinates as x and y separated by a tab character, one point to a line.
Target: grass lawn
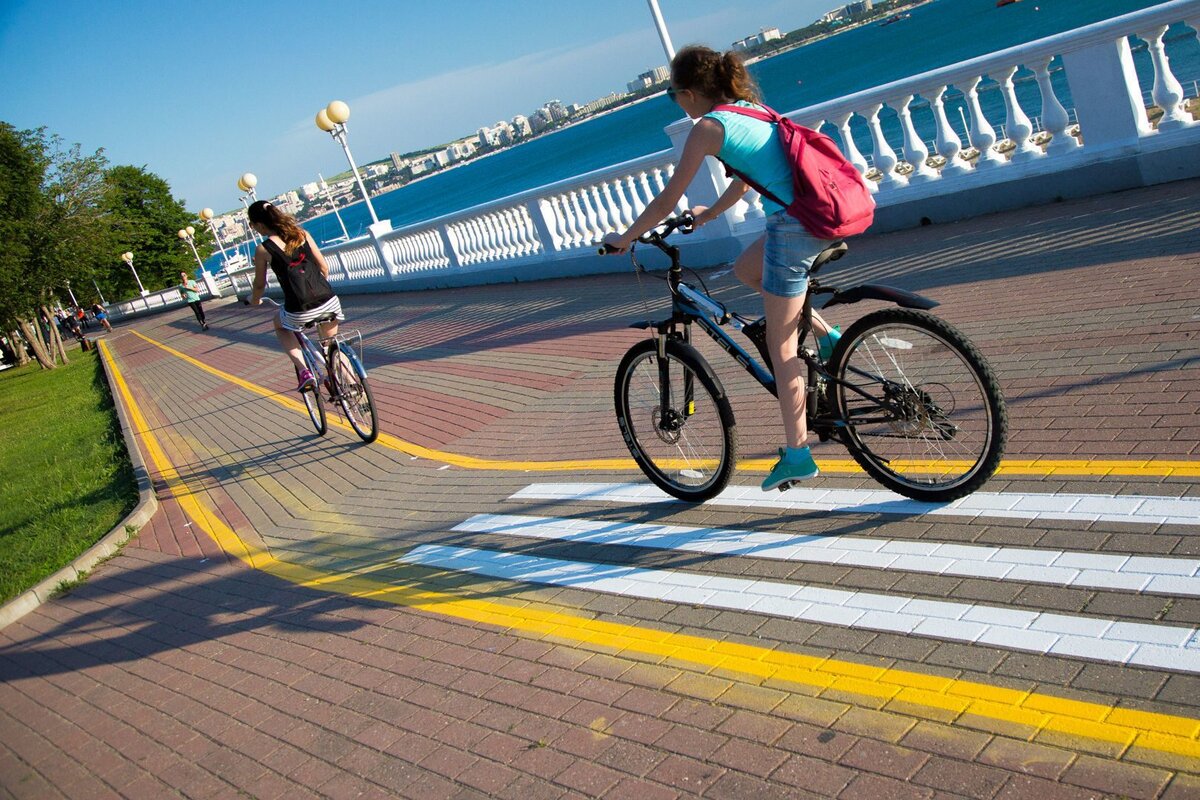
65	476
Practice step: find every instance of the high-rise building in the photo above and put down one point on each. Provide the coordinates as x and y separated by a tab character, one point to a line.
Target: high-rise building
762	37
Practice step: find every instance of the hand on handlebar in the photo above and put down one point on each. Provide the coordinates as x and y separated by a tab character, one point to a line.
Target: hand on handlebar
613	243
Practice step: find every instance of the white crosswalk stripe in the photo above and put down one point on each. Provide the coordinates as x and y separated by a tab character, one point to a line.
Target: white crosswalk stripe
1134	642
1136	509
1065	568
1141	644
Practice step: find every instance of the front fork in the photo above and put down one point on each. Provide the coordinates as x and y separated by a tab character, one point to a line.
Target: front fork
666	409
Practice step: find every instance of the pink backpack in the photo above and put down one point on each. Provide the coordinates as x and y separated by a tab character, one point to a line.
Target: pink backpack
831	198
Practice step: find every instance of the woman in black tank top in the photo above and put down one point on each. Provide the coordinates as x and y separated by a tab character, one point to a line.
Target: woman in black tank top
294	257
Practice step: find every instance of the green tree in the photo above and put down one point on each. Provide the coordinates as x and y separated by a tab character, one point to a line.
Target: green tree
145	219
51	226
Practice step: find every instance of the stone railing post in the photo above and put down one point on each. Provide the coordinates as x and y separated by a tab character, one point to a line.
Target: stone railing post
377	232
1106	93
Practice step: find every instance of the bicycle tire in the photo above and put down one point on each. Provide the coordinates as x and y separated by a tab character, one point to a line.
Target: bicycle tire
936	426
693	454
313	402
315	405
353	392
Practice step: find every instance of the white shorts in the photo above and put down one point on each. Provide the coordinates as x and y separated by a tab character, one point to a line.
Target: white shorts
295	322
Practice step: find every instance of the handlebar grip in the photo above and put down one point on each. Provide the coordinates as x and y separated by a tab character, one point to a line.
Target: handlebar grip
606	249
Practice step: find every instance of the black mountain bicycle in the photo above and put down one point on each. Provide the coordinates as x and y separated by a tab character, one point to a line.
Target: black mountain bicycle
915	403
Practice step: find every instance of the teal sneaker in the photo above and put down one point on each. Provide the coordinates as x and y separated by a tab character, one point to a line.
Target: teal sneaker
785	473
826	343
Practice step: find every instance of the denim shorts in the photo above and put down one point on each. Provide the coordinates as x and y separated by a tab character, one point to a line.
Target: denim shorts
788	253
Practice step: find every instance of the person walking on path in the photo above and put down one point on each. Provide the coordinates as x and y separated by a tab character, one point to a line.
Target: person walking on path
776	264
294	257
101	314
191	293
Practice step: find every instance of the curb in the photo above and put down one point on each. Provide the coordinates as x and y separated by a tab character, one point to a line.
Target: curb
112	541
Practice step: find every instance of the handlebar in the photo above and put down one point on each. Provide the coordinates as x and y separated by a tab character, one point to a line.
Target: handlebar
657	235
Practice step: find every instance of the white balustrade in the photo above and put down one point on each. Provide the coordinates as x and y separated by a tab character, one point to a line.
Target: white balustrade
947	144
1055	118
914	149
1167	93
885	156
1017	127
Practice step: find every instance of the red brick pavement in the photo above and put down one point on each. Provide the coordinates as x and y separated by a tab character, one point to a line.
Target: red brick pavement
177	669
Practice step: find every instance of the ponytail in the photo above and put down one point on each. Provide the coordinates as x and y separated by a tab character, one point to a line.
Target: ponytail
720	76
282	225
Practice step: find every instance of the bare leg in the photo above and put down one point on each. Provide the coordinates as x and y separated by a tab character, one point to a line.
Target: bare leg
749	270
783	315
287	340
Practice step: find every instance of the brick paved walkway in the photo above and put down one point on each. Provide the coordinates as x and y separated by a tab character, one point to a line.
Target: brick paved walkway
281	629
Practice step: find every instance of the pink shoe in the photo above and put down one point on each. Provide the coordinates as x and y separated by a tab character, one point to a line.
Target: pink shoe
307	381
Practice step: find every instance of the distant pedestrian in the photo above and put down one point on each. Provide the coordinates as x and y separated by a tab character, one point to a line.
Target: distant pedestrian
101	314
191	293
81	317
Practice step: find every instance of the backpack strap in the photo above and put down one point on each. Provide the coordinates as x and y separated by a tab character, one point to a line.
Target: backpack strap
766	115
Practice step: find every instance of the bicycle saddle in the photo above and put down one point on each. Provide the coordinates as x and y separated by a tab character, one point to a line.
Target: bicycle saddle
831	253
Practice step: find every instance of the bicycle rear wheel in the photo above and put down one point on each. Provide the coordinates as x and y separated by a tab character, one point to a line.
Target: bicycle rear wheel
923	410
676	419
353	392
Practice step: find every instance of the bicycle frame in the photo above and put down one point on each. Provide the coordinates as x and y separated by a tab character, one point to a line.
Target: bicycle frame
690	306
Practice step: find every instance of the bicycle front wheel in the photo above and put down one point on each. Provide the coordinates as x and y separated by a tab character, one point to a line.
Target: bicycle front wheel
353	392
676	419
922	409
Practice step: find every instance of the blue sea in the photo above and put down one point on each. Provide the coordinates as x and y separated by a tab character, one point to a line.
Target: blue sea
937	34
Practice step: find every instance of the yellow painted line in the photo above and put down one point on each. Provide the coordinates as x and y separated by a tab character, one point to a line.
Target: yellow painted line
1028	467
913	691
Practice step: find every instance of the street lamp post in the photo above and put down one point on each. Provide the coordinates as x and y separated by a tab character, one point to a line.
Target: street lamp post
332	119
663	34
100	293
206	214
128	259
246	183
333	205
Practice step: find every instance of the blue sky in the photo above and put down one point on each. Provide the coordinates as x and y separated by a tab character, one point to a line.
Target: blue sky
201	92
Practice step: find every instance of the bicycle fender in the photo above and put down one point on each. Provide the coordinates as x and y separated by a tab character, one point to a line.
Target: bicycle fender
877	291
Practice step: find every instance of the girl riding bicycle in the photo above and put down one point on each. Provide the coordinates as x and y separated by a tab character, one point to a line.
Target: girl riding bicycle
302	274
776	265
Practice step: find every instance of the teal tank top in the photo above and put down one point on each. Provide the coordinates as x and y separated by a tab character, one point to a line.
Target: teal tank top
752	146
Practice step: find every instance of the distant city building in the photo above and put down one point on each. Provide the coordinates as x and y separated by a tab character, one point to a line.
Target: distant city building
375	170
555	111
648	79
488	137
762	37
598	105
521	126
288	202
310	190
459	150
858	8
398	163
837	13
